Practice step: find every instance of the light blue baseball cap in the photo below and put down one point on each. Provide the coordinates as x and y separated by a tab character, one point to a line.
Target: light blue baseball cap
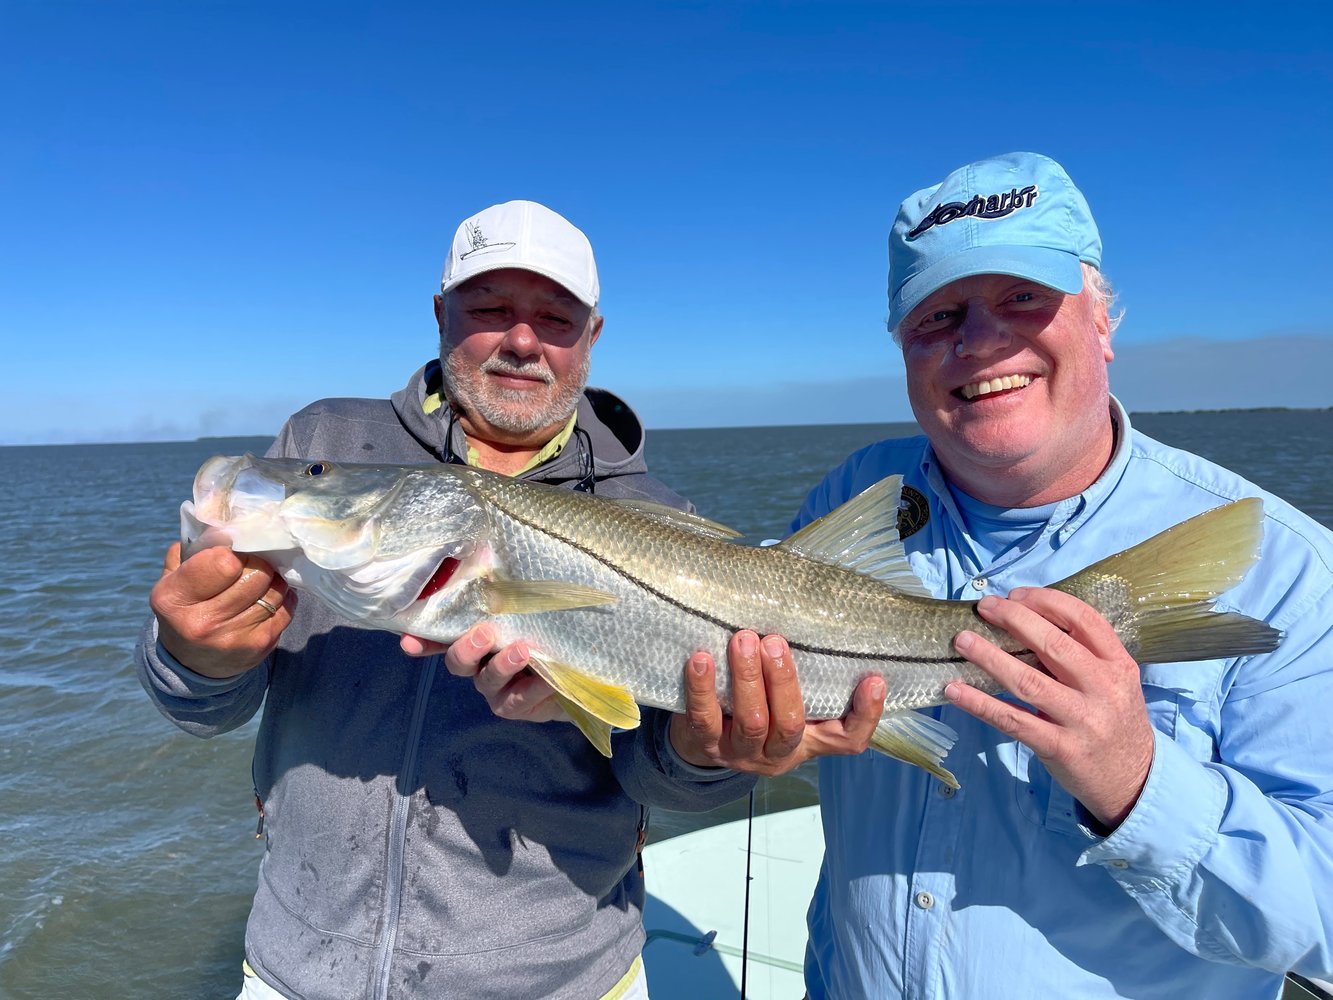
1016	214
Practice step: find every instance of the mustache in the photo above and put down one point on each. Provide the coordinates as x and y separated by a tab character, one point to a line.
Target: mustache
534	370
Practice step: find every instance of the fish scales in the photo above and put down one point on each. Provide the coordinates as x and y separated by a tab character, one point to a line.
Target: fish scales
612	596
691	592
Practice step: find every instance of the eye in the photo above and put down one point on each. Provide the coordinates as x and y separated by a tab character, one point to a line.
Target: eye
933	321
314	469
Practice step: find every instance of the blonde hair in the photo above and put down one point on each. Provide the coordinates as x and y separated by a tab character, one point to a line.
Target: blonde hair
1102	294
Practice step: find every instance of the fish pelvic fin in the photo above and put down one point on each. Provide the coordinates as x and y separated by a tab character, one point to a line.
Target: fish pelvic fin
916	739
525	597
1167	584
862	535
591	699
597	731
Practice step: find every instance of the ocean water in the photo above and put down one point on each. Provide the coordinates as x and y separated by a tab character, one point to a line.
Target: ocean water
128	851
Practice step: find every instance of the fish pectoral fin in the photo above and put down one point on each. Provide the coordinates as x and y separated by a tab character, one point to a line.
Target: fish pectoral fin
609	703
597	731
916	739
678	518
525	597
862	535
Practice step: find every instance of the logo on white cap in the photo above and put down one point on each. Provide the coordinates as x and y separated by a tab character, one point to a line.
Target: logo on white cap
479	242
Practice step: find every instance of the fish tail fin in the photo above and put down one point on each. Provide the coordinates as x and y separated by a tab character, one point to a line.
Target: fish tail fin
1166	586
916	739
1197	632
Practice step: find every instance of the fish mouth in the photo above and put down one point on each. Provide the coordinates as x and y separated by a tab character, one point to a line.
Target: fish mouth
992	386
228	488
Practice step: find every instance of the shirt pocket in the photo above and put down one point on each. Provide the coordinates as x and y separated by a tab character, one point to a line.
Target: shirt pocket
1180	698
1041	800
1183	703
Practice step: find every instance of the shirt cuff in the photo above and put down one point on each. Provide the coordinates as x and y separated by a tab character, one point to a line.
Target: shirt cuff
1172	825
682	768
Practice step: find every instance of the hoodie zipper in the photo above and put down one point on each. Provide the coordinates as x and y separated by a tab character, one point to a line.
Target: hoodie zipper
398	817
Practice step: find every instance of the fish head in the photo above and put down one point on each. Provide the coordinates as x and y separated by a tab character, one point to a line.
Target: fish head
366	538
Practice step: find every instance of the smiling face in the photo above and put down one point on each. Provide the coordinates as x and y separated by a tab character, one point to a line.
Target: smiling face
515	348
1007	378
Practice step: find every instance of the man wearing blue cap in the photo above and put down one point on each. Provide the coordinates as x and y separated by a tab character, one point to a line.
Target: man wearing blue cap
1120	831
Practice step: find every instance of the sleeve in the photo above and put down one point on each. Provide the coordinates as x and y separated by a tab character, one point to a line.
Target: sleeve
1233	857
202	706
651	773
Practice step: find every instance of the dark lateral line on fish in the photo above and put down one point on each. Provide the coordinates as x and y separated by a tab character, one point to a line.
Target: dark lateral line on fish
720	623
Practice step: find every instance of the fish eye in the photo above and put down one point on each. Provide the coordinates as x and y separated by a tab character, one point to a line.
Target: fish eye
314	469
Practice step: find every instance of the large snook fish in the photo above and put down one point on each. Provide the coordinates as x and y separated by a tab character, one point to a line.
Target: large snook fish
612	596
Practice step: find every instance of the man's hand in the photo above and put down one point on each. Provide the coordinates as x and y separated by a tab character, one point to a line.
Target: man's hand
1089	722
767	732
208	615
502	677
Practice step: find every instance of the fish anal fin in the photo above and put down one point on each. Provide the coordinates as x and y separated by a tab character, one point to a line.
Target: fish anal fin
525	597
609	703
916	739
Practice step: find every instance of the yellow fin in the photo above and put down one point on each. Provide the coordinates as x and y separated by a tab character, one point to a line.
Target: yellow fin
610	703
916	739
597	731
862	535
525	597
1169	581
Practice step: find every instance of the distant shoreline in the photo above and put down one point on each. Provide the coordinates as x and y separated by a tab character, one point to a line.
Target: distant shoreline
1234	409
729	427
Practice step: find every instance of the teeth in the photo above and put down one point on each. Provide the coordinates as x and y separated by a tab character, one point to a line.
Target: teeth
987	386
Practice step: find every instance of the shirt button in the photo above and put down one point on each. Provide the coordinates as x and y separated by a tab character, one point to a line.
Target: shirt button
1119	863
947	791
979	583
925	900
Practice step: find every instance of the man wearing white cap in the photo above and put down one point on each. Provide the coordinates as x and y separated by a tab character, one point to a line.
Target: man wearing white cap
1154	832
416	845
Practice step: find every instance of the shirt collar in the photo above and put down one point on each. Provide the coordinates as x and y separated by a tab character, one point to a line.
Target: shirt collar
1069	514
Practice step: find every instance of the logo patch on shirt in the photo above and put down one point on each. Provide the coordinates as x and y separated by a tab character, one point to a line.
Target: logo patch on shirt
480	244
913	512
994	206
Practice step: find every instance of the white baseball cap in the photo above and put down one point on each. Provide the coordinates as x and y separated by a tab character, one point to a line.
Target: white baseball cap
528	236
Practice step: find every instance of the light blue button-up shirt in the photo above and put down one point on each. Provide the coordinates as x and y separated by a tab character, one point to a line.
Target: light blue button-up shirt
1219	880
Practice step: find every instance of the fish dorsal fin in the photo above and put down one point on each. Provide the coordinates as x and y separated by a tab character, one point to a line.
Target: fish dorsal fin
526	597
663	514
862	536
591	704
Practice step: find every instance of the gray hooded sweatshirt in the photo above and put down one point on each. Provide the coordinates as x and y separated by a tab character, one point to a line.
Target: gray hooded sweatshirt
415	844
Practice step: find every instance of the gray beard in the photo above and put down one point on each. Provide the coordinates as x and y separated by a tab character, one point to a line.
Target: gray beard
511	410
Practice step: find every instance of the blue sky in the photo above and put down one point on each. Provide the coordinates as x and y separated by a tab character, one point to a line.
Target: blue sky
216	212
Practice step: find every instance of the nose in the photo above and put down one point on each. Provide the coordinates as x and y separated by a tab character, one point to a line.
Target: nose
521	340
981	333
